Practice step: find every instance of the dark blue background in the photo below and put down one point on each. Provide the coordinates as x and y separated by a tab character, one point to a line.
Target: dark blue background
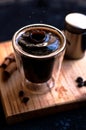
17	14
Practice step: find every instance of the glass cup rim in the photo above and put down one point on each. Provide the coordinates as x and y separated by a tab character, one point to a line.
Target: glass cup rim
35	56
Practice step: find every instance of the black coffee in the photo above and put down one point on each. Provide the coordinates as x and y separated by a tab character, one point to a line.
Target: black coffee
38	42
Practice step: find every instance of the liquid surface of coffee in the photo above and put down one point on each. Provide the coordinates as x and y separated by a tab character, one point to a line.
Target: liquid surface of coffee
38	41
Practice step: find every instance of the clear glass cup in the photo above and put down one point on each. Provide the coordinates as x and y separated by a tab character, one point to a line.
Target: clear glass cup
39	51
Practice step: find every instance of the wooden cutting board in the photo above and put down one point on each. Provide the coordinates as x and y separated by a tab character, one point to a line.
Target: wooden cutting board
64	96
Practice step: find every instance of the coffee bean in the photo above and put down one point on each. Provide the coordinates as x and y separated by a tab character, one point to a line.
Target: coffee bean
21	93
79	79
25	99
85	83
81	84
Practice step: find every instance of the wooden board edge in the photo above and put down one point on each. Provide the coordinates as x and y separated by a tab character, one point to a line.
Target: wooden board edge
45	112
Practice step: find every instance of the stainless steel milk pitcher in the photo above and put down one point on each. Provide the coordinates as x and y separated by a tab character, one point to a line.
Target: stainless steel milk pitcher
75	32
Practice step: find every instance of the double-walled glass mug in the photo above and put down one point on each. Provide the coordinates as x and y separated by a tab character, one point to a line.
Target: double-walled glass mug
39	51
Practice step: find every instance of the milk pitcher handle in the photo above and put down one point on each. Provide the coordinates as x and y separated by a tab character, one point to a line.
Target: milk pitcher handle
83	41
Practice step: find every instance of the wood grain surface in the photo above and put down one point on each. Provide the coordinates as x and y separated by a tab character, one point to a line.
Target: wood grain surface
64	96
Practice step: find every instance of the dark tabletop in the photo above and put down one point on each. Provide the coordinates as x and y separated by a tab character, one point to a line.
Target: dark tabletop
16	14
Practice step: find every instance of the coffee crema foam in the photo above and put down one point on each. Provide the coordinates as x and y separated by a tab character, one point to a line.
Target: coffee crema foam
39	41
